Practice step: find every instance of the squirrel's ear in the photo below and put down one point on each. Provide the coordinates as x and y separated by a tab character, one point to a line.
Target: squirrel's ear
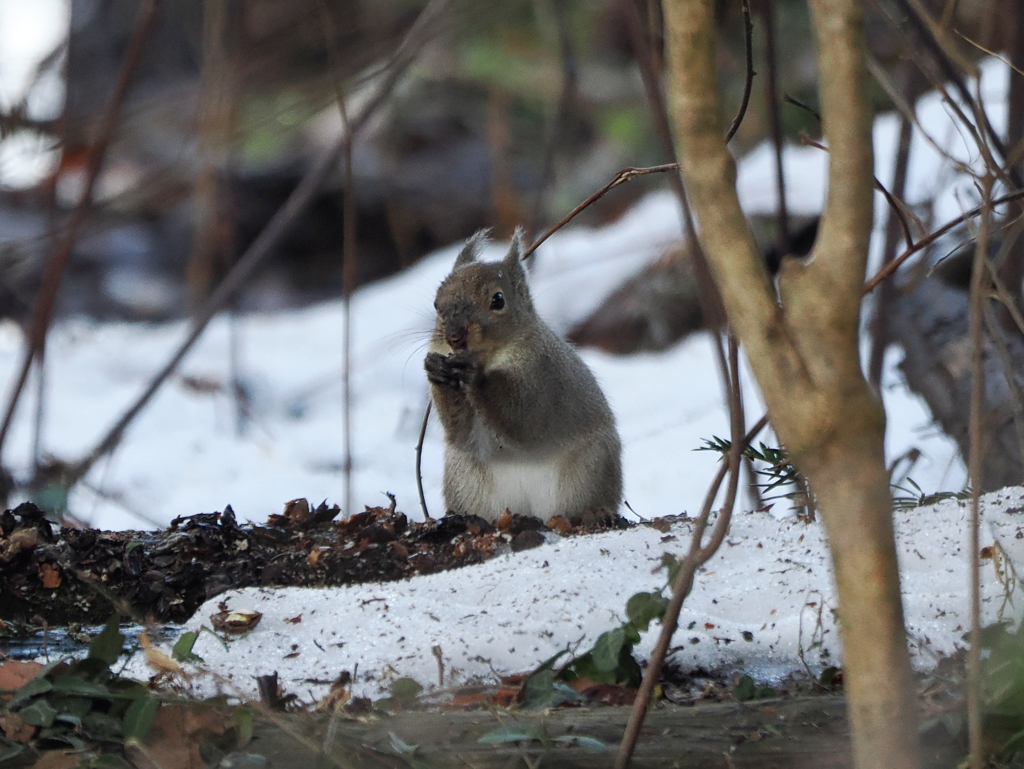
514	258
469	252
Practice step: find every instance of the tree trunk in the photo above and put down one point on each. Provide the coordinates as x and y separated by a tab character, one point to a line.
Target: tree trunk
804	350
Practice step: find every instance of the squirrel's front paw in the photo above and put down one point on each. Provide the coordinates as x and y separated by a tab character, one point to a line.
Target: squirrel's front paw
455	370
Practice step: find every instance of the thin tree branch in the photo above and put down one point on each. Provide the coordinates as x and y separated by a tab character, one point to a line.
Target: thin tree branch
895	264
974	682
879	322
566	99
748	80
58	261
419	460
349	253
696	556
775	125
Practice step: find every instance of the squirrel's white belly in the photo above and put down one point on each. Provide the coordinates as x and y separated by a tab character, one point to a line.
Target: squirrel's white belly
526	488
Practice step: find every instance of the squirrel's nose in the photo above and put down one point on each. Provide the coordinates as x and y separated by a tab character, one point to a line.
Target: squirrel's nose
457	338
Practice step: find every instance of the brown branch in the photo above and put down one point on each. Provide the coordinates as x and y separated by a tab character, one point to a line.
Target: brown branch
879	322
748	81
974	680
895	264
61	254
349	253
271	235
775	125
625	175
566	99
419	460
696	556
894	203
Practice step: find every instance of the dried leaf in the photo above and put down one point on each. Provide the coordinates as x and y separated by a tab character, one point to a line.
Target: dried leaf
58	759
174	737
50	575
15	674
156	658
236	621
560	525
16	729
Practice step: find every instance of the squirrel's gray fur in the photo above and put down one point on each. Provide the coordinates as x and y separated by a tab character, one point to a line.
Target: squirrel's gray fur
526	425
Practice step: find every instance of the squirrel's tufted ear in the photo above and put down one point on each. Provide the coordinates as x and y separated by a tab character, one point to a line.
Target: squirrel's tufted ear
472	248
514	258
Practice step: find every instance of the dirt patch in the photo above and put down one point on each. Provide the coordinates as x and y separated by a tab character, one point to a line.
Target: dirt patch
59	575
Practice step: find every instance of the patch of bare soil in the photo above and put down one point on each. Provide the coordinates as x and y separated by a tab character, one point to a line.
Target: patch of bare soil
59	575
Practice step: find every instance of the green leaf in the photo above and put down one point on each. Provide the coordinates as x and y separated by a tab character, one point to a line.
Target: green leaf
31	689
242	719
584	742
139	718
542	690
101	726
607	649
71	719
744	689
642	608
400	746
107	645
182	649
406	690
39	713
512	733
7	752
75	686
672	565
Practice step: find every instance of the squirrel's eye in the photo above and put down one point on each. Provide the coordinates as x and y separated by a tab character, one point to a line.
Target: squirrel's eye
497	301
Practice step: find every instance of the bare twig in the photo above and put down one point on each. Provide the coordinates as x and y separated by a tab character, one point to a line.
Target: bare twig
684	581
58	261
419	460
271	235
974	683
625	175
879	323
926	241
775	124
349	253
895	206
566	99
748	80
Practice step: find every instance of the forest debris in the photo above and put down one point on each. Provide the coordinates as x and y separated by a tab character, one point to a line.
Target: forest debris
168	574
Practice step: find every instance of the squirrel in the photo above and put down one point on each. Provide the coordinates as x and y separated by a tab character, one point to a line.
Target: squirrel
527	428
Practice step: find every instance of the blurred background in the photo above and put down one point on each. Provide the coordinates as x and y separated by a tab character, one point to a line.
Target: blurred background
487	115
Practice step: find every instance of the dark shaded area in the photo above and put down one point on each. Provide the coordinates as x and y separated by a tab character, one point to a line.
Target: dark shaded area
930	321
62	575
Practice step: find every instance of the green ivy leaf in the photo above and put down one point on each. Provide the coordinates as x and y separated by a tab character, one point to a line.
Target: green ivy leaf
31	689
608	648
512	733
138	718
242	719
642	608
79	687
182	649
744	689
584	742
39	713
107	645
406	690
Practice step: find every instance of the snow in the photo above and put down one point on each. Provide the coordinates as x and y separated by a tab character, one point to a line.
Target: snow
184	455
765	604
